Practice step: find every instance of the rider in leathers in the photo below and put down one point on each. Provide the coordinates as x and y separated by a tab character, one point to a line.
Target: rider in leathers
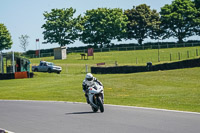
89	78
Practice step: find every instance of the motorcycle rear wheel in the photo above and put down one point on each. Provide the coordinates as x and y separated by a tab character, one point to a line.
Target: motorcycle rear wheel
94	109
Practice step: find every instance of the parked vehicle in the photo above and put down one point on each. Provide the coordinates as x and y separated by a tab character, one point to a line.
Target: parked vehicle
46	67
95	93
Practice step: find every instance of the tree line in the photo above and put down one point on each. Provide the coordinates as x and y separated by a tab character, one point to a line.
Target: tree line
180	20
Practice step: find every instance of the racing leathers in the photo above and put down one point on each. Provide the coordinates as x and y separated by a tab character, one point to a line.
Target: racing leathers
86	84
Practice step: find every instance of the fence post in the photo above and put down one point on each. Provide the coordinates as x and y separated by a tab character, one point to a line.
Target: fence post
188	54
136	60
2	63
179	56
197	52
86	68
170	56
116	64
158	53
13	61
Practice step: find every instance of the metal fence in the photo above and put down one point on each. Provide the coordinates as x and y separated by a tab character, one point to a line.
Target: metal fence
169	57
143	47
41	55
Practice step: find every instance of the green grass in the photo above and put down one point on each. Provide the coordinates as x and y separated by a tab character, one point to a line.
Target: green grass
74	64
174	89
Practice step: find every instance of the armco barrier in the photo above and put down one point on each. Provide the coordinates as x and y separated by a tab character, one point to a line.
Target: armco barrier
134	69
16	75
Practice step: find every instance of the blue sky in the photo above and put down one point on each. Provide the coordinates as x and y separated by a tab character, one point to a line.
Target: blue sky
26	16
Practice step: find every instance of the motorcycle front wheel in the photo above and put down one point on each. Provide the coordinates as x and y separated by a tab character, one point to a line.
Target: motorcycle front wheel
99	101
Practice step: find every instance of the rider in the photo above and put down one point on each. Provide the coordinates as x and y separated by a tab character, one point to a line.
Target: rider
88	79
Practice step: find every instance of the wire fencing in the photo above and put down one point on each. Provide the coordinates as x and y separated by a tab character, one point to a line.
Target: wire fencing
43	53
142	47
165	56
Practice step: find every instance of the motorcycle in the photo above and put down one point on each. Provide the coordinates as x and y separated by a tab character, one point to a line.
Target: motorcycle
95	94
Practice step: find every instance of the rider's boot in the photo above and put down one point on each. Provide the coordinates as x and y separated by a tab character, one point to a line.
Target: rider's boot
87	99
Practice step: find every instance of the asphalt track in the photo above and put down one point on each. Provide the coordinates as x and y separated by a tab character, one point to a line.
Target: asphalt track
66	117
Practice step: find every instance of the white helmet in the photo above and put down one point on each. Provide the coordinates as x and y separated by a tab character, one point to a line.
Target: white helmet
89	77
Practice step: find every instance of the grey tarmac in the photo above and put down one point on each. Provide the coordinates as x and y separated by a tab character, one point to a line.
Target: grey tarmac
67	117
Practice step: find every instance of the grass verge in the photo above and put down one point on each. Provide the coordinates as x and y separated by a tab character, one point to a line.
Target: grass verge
174	89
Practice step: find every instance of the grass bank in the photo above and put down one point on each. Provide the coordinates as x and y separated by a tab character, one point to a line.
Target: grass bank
174	89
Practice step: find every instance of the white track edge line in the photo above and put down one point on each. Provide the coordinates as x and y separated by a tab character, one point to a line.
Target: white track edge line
135	107
6	130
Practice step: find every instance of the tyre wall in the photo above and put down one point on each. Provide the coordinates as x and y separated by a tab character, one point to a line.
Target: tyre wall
134	69
16	75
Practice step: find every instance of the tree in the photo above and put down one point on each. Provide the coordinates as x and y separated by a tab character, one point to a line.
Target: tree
60	26
24	42
155	30
179	19
143	23
5	38
102	25
197	3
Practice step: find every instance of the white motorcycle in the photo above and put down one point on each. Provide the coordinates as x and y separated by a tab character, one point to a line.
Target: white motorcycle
95	94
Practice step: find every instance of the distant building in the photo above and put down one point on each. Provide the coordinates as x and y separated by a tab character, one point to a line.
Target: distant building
60	53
